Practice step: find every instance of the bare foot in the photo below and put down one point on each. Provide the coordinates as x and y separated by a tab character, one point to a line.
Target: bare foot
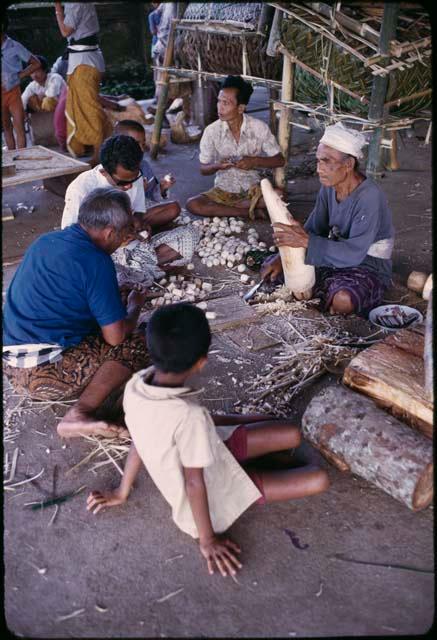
75	424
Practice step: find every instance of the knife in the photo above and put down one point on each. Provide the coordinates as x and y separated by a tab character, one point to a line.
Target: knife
249	295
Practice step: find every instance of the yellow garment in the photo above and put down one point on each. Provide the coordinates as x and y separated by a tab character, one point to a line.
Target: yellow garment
87	123
226	197
49	104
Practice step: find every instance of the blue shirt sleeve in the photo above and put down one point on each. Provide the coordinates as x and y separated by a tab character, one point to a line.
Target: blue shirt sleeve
345	252
318	221
103	294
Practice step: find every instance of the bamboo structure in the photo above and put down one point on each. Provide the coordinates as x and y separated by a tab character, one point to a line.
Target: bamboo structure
331	57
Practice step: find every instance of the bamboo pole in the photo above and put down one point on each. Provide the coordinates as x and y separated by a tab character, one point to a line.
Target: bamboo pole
413	96
394	162
192	73
163	94
284	132
379	91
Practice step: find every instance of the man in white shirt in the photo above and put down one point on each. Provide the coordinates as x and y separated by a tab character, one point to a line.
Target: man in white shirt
233	148
120	158
43	92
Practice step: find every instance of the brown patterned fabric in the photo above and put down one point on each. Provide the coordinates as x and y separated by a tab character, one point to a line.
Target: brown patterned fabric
68	377
220	196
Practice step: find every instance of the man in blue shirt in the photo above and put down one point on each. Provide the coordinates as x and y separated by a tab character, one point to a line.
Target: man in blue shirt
349	235
66	331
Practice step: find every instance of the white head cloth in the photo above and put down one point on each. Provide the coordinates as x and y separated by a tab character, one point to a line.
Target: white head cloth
346	140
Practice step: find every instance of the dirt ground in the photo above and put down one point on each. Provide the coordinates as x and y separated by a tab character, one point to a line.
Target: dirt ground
368	568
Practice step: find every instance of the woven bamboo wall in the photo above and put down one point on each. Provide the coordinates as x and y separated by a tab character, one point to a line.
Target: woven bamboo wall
220	53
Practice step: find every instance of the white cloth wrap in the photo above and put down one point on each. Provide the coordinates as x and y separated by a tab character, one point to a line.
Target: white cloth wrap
381	248
345	140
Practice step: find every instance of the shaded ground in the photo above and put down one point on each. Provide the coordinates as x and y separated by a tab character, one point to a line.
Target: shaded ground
129	572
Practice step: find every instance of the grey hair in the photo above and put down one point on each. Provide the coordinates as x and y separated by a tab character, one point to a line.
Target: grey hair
349	155
105	207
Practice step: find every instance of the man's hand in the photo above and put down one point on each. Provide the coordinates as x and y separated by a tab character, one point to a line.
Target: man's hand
226	164
219	551
246	163
166	182
137	298
290	235
271	268
97	500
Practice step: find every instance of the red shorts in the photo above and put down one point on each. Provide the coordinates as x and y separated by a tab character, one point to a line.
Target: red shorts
237	445
12	98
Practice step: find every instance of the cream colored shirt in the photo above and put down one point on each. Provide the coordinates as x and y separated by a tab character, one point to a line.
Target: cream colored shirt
171	431
51	88
219	144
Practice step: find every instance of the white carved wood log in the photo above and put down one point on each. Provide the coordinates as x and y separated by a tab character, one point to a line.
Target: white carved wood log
371	444
299	277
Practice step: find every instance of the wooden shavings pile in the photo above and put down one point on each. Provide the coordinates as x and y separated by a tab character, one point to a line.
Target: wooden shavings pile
303	356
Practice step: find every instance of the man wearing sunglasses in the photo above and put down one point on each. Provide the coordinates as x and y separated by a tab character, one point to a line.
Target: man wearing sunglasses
120	160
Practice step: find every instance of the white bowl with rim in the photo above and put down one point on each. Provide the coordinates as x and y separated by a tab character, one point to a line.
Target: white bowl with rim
389	314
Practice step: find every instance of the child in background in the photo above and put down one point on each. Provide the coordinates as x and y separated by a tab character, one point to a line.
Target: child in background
13	57
193	463
161	214
42	94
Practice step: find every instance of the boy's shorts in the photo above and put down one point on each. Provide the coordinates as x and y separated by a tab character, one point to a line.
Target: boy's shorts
237	445
12	99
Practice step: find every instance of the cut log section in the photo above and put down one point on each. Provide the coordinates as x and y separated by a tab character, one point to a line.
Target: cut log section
392	372
351	430
298	276
416	281
427	288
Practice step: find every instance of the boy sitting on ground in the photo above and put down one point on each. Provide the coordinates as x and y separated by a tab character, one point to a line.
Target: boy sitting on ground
158	213
194	464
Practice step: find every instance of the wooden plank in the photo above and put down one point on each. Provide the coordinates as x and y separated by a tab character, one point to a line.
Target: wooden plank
409	341
230	312
7	214
395	378
41	163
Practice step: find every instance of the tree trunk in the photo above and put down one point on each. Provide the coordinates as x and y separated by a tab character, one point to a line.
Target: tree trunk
353	431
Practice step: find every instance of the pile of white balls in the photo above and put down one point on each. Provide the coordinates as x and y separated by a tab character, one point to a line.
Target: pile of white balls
180	289
219	247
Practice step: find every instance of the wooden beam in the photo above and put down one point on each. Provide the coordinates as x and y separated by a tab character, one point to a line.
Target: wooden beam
284	131
163	94
379	91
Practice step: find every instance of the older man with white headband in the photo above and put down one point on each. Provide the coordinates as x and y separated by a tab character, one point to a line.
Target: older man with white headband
349	235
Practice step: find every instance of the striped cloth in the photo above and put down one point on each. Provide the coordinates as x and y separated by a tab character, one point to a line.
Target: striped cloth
25	356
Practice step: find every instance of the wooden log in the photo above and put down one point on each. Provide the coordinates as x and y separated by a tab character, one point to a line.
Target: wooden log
298	276
374	445
408	341
427	288
416	281
395	379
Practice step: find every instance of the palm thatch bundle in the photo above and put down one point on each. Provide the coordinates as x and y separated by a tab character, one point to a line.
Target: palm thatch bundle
348	62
